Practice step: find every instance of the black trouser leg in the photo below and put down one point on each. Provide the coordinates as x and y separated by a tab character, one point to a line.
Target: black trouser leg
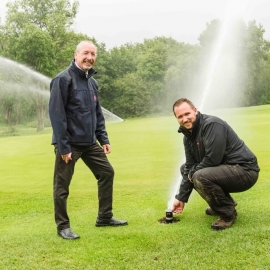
215	183
98	163
63	173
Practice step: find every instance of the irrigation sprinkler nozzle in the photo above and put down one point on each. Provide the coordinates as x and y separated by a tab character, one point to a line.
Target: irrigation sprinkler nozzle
169	216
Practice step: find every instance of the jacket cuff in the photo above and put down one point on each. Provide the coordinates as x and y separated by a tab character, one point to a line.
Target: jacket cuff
181	198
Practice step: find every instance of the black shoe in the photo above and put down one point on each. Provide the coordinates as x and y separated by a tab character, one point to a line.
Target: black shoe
68	234
222	224
110	222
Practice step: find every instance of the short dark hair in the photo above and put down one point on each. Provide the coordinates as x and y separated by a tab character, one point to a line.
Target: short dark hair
182	100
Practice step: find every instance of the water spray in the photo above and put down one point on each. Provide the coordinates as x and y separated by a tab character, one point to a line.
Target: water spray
31	81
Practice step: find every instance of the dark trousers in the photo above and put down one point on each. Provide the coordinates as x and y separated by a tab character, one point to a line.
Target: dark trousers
214	184
95	159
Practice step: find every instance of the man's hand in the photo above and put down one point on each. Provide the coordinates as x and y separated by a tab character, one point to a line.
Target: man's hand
178	206
106	148
67	157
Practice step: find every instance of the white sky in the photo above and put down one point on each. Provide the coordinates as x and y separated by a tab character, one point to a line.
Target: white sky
116	22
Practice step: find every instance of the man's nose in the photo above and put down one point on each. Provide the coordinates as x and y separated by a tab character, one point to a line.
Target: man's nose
184	119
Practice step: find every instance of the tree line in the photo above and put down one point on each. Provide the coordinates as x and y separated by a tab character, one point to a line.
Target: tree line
135	79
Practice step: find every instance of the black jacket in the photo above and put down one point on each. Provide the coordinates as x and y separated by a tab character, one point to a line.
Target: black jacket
74	109
212	142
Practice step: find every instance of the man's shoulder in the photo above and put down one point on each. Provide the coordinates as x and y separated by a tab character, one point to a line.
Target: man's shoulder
207	119
63	74
214	121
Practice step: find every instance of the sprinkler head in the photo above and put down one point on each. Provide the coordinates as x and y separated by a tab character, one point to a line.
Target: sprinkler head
169	216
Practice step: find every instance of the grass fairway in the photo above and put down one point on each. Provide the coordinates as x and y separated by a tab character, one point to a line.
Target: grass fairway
146	155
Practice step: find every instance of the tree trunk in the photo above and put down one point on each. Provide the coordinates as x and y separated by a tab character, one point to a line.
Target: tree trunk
9	115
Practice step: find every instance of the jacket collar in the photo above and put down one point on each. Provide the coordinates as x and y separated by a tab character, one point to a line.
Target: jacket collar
80	72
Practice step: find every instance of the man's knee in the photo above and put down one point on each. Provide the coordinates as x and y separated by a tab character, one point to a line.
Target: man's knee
182	169
108	172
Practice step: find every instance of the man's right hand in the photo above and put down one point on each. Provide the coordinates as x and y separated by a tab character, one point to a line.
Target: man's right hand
67	157
178	206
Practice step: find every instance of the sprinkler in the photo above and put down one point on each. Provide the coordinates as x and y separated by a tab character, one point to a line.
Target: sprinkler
169	216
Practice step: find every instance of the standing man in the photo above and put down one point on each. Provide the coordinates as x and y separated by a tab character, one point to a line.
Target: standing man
217	163
79	132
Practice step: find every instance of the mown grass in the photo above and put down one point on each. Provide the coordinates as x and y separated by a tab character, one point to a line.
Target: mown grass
146	155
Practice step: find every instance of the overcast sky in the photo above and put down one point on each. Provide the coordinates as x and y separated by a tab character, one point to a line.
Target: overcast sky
116	22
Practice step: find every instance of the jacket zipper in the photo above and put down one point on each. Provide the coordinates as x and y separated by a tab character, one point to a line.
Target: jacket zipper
198	150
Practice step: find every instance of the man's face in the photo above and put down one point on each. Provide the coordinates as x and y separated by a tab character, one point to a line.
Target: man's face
85	57
185	115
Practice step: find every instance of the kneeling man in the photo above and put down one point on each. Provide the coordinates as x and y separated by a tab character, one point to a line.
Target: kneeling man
217	163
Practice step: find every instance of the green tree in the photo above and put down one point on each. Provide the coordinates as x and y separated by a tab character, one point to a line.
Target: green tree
134	98
233	62
181	74
112	66
257	52
151	68
39	34
35	48
53	17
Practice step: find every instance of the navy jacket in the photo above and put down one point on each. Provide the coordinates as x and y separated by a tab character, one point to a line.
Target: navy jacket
212	142
74	109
